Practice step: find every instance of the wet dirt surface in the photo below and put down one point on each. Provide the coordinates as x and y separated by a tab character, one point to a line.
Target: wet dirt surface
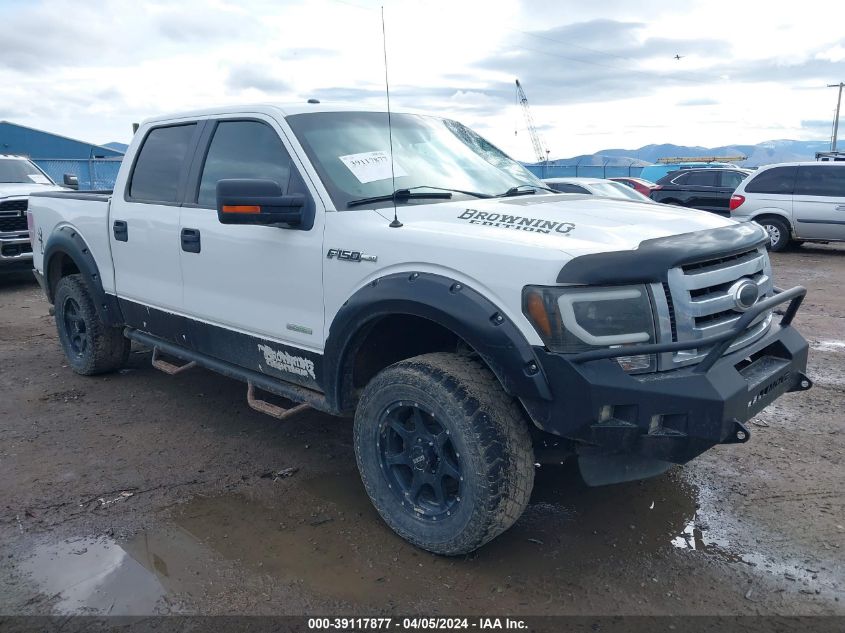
140	493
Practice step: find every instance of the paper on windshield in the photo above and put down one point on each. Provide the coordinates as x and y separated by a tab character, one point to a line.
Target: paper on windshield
40	179
372	166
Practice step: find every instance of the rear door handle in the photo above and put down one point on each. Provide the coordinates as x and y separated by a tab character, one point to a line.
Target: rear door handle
840	207
121	231
191	240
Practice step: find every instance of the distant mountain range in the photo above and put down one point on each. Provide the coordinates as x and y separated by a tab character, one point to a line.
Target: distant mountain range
766	153
120	147
779	151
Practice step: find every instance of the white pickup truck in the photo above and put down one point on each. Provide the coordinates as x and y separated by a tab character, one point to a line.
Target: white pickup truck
19	177
473	322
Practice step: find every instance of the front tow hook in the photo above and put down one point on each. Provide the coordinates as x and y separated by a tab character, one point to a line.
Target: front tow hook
739	435
802	384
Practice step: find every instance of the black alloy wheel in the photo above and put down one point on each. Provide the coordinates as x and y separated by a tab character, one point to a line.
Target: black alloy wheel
419	461
75	328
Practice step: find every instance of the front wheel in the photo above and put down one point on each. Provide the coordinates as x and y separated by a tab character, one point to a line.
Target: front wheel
778	233
444	453
90	346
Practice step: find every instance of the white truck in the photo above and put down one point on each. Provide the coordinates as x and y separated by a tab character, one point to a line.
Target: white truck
403	271
19	177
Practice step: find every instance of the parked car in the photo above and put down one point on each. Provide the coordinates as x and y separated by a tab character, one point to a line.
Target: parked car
640	185
595	187
465	317
18	178
706	189
800	202
654	173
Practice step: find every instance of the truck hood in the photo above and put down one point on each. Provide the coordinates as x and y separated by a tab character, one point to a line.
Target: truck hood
574	224
18	189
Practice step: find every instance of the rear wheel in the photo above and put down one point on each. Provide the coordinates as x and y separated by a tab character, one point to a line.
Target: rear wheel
444	453
778	232
89	345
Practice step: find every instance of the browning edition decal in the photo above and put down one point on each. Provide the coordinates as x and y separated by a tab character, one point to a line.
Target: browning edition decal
515	222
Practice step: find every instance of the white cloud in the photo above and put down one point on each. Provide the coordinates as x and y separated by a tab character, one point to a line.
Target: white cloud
755	71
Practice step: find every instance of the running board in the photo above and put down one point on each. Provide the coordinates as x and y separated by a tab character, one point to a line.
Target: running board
295	393
170	368
262	406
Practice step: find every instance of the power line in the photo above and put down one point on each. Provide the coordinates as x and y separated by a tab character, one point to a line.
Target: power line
583	48
645	73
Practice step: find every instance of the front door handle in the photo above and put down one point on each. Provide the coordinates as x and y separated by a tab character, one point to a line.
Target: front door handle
191	240
121	231
840	207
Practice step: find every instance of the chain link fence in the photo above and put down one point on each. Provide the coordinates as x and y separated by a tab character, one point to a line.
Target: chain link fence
584	171
93	174
100	173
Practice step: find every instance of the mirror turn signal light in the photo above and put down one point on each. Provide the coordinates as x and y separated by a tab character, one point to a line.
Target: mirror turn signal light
240	208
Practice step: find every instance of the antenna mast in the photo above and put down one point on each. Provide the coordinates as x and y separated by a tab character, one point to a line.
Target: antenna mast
395	223
541	154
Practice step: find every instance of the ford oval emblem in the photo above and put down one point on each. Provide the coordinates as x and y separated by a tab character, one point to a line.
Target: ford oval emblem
745	294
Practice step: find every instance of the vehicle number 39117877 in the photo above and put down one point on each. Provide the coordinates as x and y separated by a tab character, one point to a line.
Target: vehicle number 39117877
405	624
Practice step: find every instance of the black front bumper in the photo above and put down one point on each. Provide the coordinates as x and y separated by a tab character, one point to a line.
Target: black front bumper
672	416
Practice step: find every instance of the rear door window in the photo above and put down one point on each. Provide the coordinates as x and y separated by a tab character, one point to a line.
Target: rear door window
160	164
820	180
777	180
703	178
732	179
243	149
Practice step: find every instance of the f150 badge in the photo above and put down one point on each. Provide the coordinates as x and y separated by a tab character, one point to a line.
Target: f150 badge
350	256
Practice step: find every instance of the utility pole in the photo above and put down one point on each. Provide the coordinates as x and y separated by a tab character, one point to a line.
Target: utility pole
840	85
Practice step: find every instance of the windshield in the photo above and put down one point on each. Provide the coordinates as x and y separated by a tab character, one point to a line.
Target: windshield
16	170
351	152
617	190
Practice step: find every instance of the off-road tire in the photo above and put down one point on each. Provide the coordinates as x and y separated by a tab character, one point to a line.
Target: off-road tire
489	432
779	234
105	348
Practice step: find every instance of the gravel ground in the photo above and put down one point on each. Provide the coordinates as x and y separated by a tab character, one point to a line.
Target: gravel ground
140	493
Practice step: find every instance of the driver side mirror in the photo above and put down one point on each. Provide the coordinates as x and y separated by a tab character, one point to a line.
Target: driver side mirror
71	181
253	201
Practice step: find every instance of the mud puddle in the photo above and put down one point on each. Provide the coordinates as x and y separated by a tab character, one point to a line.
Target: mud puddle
322	535
139	576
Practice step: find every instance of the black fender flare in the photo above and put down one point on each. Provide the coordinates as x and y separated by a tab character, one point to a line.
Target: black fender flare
66	240
449	303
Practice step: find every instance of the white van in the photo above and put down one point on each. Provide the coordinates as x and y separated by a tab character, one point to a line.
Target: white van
798	202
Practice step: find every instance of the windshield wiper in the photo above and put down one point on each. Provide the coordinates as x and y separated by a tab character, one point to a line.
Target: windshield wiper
519	190
409	193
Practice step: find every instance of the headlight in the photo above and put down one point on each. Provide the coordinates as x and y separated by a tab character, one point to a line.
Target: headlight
571	320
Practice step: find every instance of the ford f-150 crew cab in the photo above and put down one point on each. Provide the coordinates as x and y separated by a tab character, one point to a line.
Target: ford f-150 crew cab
413	276
18	178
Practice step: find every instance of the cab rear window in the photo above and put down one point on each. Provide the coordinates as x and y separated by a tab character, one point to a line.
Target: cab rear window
160	163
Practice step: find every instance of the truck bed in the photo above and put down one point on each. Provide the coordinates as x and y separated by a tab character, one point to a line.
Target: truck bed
85	211
90	194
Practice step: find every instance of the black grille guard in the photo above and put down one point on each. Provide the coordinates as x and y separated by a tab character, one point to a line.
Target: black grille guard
721	342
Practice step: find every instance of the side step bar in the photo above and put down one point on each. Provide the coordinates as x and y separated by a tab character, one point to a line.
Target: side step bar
302	395
170	368
262	406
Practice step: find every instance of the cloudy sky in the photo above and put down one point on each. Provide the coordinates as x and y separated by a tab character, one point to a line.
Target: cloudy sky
597	74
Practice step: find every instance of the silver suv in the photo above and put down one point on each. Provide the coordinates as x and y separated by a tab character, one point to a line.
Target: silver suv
800	202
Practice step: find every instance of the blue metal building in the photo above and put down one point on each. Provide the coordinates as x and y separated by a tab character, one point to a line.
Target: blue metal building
95	165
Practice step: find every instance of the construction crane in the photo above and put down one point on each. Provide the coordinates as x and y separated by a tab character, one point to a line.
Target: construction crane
541	154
